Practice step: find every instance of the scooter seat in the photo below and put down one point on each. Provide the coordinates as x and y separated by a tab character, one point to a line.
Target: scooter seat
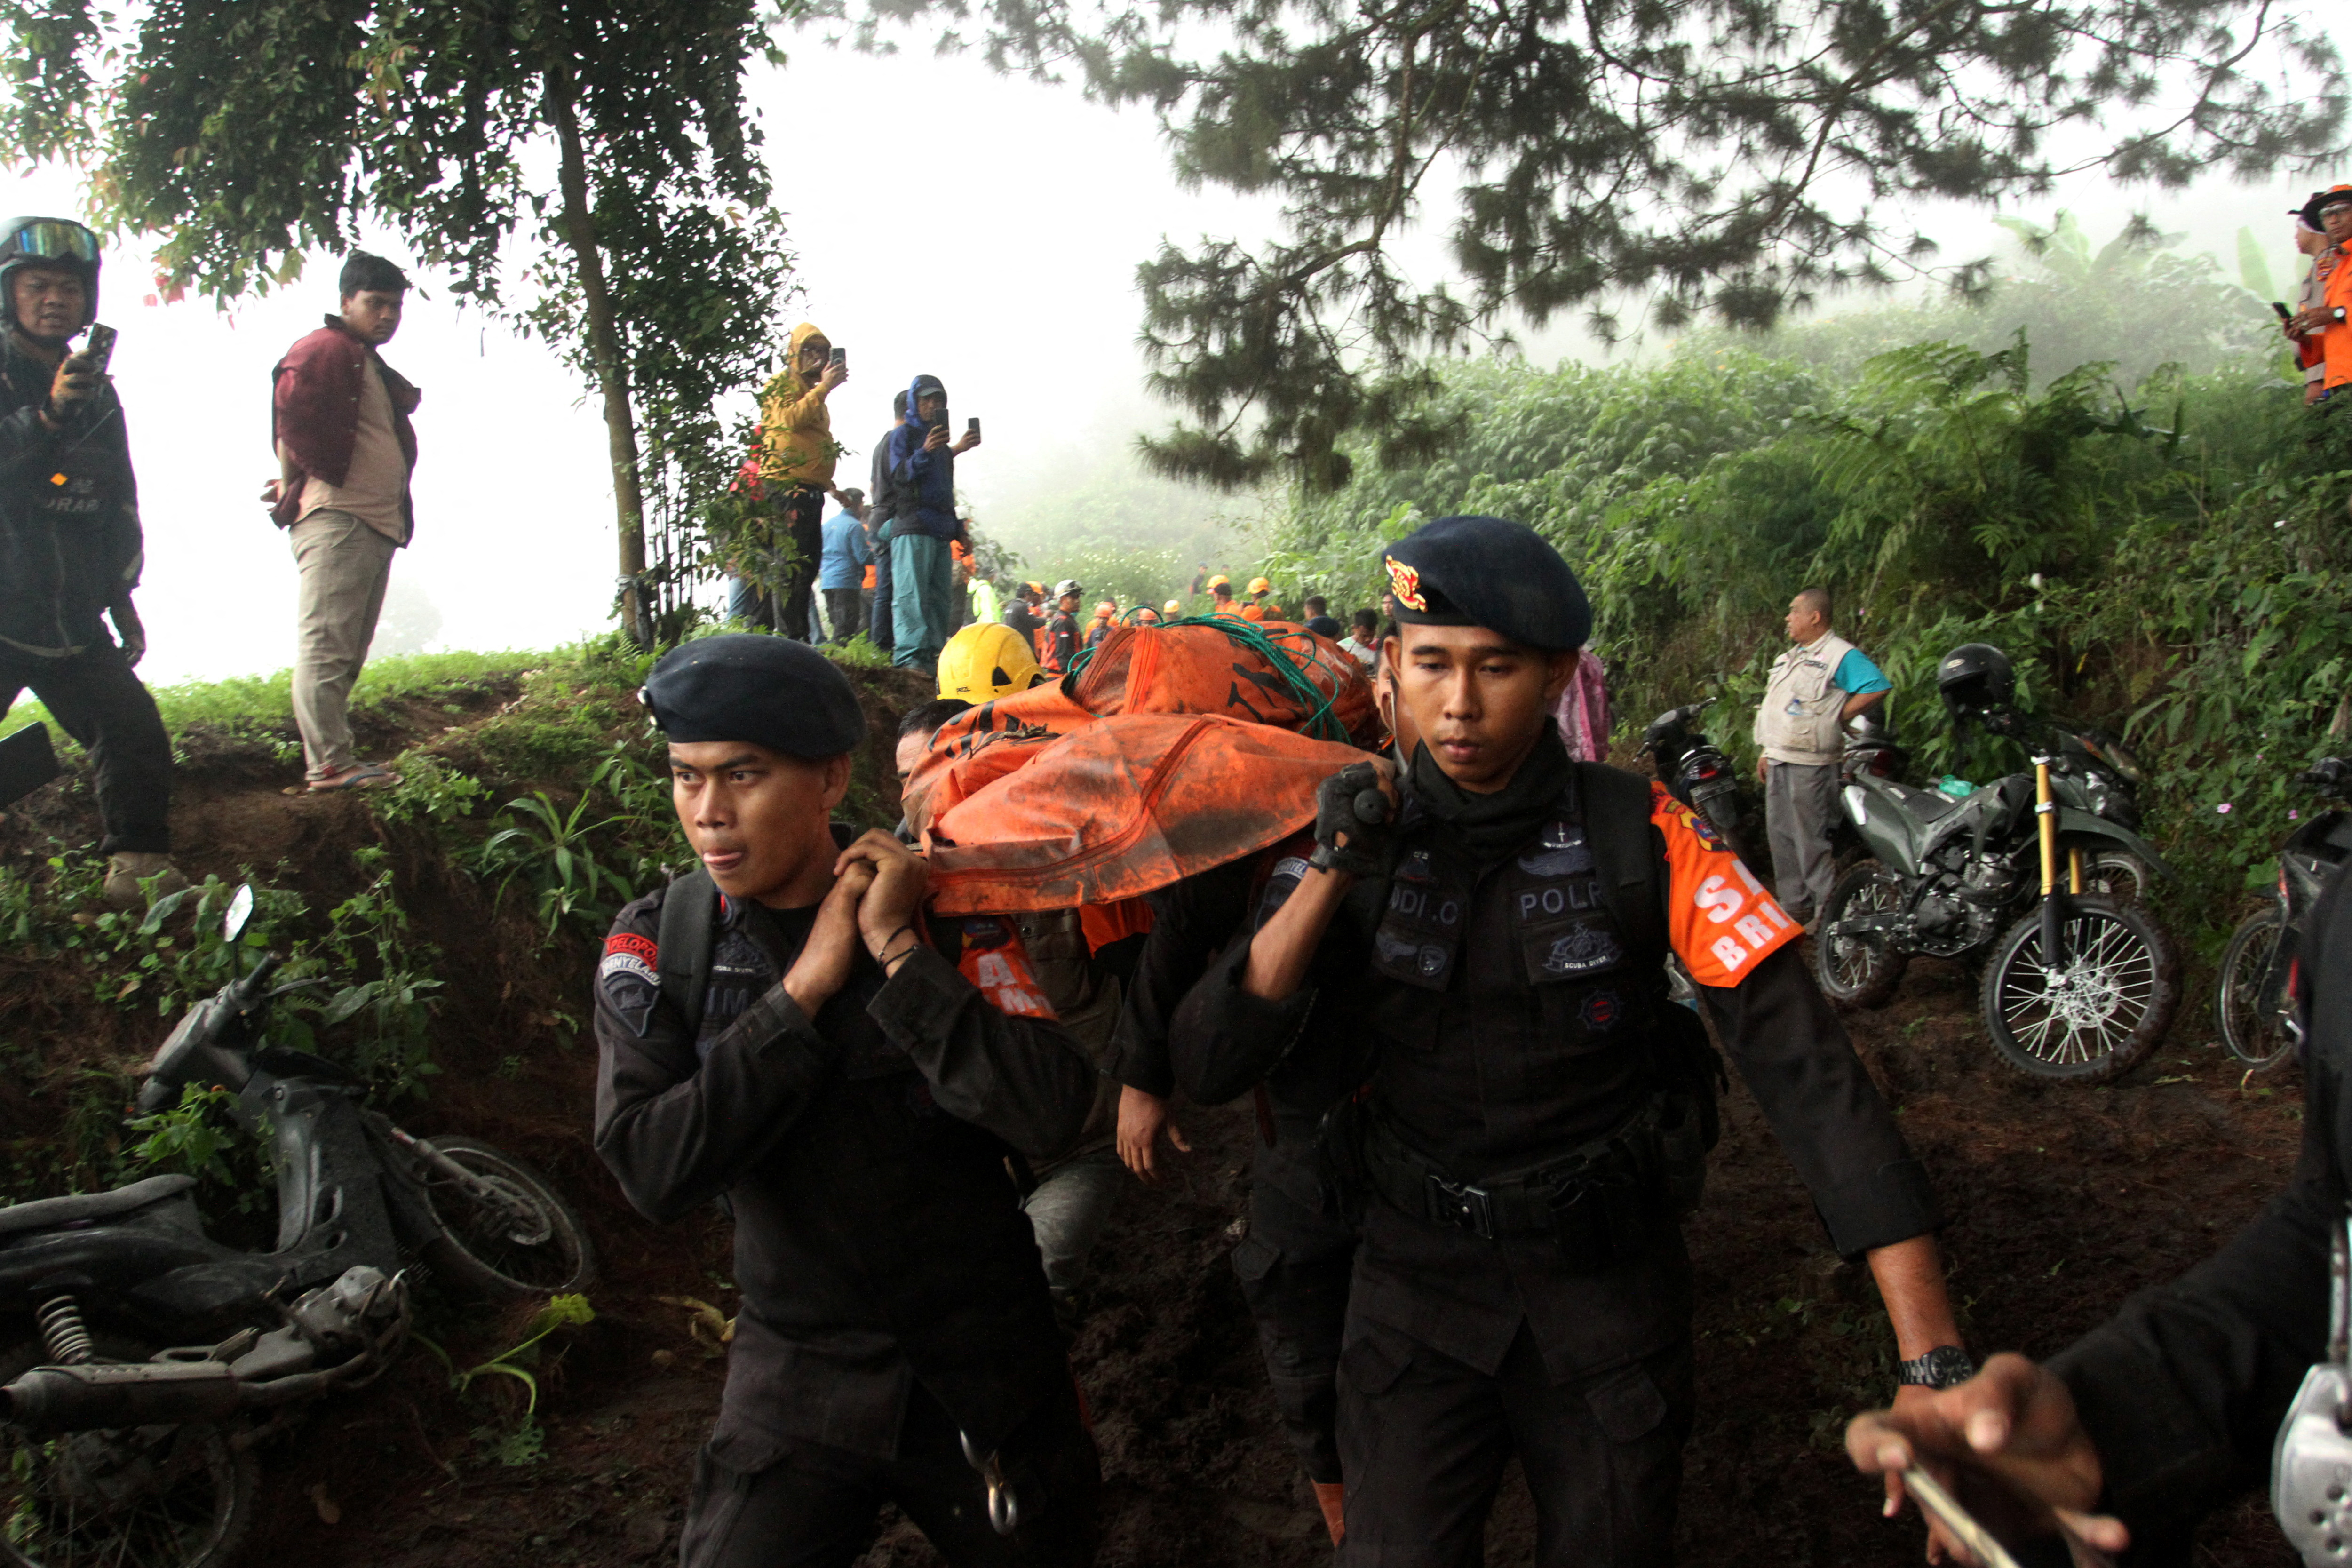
48	1214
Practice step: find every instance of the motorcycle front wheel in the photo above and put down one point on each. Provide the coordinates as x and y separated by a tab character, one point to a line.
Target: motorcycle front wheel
1859	971
2258	1040
2095	1015
514	1239
151	1497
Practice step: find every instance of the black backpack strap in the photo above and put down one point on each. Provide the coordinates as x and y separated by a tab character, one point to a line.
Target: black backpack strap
689	913
1617	828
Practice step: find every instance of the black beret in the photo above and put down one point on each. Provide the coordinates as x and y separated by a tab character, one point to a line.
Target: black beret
1492	572
769	691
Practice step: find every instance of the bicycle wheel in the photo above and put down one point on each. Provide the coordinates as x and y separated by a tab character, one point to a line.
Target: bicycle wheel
1860	970
516	1238
2257	1039
2095	1015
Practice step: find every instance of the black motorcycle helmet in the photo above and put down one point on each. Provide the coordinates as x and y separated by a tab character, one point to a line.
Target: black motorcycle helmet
58	242
1976	679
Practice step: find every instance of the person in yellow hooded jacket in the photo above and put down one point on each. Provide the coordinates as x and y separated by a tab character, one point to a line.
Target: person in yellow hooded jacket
796	455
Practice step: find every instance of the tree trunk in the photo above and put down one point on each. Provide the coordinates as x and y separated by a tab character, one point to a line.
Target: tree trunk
578	225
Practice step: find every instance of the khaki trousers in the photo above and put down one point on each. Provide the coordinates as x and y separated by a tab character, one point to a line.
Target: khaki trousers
344	564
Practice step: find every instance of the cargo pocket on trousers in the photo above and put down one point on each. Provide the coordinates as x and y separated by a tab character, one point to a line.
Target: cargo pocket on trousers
1373	1365
1626	1404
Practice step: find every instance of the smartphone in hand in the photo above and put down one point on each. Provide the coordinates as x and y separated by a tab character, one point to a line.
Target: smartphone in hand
841	356
971	427
99	349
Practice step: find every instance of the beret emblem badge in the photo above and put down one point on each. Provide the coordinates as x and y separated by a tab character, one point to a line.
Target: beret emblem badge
1405	582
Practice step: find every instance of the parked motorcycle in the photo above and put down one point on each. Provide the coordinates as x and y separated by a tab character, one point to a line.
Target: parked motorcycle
1696	772
2039	872
2256	1009
150	1360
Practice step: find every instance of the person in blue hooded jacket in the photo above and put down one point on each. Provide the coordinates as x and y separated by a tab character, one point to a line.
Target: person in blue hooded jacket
922	569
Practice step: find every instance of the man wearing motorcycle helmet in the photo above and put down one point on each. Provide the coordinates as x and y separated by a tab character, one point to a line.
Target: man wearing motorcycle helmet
71	549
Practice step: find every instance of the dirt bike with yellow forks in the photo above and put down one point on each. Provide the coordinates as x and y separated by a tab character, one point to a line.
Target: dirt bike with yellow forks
2038	875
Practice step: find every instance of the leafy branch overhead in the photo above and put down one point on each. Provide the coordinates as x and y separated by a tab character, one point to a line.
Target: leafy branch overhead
611	140
1721	157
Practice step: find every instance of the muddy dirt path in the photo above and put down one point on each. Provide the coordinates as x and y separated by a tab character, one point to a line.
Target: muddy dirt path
2066	1201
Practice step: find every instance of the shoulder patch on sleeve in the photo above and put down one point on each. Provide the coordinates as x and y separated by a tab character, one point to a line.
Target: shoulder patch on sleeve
997	964
1719	916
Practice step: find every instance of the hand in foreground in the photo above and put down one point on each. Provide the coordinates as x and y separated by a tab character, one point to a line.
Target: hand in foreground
1142	1119
2013	1421
895	901
966	442
835	373
271	492
935	438
823	967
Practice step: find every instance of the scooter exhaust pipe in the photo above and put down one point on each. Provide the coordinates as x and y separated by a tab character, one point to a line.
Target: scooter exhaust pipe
107	1394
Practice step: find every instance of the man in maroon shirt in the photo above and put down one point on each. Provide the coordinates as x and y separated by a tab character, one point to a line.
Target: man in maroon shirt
345	451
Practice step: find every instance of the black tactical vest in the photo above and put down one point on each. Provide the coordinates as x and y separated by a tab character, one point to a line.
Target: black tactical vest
1524	1002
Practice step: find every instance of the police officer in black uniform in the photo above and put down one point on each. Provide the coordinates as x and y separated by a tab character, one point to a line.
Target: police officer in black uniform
852	1079
1536	1114
2163	1413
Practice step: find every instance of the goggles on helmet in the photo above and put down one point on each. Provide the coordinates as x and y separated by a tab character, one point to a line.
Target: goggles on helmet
52	239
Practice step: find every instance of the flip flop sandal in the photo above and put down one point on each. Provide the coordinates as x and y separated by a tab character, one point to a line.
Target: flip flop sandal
368	775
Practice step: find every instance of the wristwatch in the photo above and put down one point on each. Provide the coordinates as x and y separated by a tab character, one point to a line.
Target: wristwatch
1939	1368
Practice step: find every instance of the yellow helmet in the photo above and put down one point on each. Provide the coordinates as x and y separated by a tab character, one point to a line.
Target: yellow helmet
986	660
1260	585
1173	607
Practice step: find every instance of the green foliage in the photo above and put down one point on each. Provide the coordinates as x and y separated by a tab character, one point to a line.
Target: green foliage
522	1441
580	869
2167	561
199	1137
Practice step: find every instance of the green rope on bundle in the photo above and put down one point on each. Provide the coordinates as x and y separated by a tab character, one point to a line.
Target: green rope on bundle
1322	723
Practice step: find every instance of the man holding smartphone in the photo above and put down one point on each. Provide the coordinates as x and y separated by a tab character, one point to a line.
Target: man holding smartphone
922	473
796	458
70	546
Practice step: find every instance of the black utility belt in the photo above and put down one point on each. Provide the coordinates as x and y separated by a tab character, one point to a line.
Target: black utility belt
1603	1201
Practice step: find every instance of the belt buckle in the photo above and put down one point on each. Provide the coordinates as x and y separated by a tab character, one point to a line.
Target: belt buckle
1462	1206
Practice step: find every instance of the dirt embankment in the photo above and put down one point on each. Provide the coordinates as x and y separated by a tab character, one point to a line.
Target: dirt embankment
2063	1203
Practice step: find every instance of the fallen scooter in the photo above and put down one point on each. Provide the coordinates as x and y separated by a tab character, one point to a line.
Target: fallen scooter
151	1359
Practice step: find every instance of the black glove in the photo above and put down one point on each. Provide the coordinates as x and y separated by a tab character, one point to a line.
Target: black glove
1353	819
128	627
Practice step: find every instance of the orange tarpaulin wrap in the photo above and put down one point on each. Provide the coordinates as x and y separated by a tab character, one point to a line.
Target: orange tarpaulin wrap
1123	806
1174	750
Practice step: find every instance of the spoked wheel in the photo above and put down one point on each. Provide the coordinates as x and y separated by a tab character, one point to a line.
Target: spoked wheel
1856	969
150	1497
2256	1037
2099	1012
512	1237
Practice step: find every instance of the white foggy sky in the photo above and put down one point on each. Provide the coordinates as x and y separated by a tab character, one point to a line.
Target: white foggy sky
1007	270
